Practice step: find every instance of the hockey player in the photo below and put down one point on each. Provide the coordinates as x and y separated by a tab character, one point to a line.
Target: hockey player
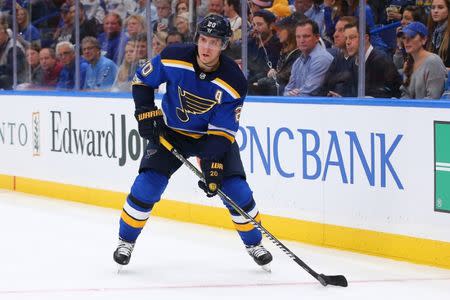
199	115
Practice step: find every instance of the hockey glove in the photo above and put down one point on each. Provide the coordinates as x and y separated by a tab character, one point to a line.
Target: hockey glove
213	173
150	123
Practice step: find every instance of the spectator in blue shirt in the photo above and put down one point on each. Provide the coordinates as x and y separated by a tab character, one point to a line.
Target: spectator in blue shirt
308	71
101	71
112	40
66	54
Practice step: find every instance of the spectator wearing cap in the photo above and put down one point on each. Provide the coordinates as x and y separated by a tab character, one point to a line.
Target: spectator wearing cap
278	77
257	5
425	73
390	12
382	77
410	14
65	26
263	47
101	71
309	69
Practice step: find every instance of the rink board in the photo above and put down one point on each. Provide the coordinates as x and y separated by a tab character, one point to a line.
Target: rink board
359	175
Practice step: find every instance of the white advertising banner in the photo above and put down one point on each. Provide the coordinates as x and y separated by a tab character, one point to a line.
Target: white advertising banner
361	166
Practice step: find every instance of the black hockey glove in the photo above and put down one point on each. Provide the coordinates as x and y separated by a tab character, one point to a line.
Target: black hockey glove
150	123
213	173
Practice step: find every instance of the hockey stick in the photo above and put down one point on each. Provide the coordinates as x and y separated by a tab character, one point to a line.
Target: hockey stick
325	280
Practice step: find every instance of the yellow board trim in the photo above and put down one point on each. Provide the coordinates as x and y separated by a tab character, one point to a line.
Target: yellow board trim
400	247
132	222
7	182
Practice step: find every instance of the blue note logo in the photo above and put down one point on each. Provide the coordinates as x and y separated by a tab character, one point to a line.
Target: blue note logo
192	104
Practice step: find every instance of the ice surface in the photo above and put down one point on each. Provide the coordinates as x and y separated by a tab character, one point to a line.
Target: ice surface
52	249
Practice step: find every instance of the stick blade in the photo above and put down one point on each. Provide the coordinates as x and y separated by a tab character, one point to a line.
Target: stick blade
338	280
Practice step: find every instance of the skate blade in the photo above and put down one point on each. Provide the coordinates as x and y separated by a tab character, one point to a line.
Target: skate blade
267	268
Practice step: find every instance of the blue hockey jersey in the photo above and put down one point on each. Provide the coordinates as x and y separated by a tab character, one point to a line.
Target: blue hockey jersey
196	103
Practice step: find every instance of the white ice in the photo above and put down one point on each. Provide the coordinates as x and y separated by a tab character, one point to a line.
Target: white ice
52	249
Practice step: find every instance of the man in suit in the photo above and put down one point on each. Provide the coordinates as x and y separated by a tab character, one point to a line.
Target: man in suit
382	78
338	79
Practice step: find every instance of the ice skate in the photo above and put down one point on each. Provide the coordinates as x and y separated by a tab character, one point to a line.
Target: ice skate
122	254
261	256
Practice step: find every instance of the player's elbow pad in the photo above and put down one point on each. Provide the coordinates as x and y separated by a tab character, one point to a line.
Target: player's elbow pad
214	147
144	96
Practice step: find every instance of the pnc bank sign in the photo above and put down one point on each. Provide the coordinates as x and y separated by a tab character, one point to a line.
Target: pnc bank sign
316	155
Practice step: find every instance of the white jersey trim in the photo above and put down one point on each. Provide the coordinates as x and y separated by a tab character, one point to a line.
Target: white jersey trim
212	127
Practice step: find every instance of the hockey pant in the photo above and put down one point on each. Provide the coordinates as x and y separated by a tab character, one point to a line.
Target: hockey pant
148	188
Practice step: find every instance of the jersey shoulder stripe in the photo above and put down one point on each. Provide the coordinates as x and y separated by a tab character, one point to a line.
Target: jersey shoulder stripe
175	63
228	88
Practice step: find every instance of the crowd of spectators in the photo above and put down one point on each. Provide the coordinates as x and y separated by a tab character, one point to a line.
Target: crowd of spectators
295	47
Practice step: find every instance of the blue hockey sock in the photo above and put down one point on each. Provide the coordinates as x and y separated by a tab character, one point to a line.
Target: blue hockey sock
145	192
239	191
